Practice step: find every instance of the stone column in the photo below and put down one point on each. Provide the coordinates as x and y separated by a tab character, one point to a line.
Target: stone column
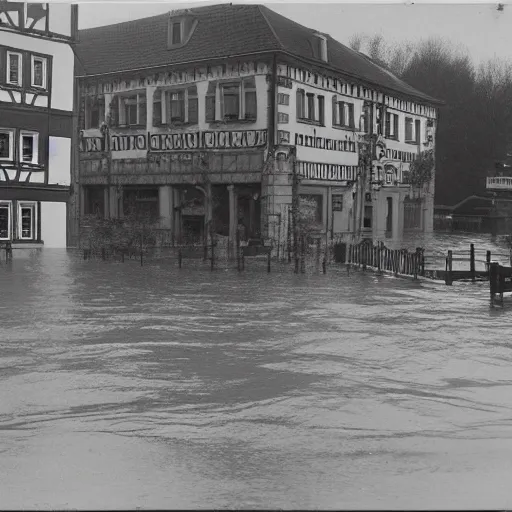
233	221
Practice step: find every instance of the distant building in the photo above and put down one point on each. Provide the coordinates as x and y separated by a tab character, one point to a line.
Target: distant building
203	116
36	113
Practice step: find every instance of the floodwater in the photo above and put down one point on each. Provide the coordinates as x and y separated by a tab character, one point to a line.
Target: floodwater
154	387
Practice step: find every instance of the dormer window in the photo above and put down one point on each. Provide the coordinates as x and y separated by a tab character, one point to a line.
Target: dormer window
176	33
180	28
321	47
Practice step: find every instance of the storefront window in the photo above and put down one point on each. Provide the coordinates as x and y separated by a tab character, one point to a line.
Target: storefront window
5	221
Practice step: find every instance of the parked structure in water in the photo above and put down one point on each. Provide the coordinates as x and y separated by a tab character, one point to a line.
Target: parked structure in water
36	121
216	118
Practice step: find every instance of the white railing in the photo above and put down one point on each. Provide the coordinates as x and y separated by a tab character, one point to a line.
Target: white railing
499	183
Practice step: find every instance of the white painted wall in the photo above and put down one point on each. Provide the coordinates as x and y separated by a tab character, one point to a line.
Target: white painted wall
63	65
59	161
53	224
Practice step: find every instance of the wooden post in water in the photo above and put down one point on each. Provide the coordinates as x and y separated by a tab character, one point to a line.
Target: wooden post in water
269	255
488	262
472	262
493	280
179	257
212	241
303	255
141	245
363	255
238	250
448	278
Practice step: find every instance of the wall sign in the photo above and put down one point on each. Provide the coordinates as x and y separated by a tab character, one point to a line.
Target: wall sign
181	141
329	172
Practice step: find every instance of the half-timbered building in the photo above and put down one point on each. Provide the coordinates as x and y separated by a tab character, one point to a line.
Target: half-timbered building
36	109
220	115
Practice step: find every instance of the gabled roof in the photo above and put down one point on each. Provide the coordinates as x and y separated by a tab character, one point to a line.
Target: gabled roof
223	30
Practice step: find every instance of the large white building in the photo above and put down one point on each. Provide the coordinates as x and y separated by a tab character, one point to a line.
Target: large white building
204	116
36	121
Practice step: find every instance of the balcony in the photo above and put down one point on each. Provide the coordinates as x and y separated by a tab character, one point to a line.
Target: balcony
499	183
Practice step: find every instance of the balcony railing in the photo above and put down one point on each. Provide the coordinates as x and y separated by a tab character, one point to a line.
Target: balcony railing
499	183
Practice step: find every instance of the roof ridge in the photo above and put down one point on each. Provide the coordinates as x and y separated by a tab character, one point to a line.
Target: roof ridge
274	33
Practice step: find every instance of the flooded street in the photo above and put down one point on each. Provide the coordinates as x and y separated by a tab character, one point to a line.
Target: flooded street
154	387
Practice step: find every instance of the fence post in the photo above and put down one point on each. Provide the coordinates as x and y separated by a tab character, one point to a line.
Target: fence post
448	278
396	261
179	257
364	255
472	262
378	250
268	259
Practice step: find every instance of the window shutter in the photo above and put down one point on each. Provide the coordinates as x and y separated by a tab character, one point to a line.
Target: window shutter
250	105
418	131
193	109
114	111
142	119
321	109
300	112
395	124
157	108
334	108
408	129
388	124
342	114
351	115
210	102
81	122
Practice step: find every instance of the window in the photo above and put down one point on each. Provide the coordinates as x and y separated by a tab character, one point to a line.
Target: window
417	131
230	101
176	33
409	129
5	220
182	106
311	106
14	68
368	213
27	221
176	106
391	126
6	145
337	202
282	117
238	100
342	113
29	153
283	99
95	112
141	202
301	104
311	206
133	111
94	200
38	72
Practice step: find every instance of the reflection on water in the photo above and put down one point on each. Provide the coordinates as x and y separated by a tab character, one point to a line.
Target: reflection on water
155	387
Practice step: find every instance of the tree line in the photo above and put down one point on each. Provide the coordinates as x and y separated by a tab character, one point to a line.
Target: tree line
475	124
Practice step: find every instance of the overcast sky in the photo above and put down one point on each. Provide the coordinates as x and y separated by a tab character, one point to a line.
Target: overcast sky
480	28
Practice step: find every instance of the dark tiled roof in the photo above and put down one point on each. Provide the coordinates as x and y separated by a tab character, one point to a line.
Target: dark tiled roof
222	30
